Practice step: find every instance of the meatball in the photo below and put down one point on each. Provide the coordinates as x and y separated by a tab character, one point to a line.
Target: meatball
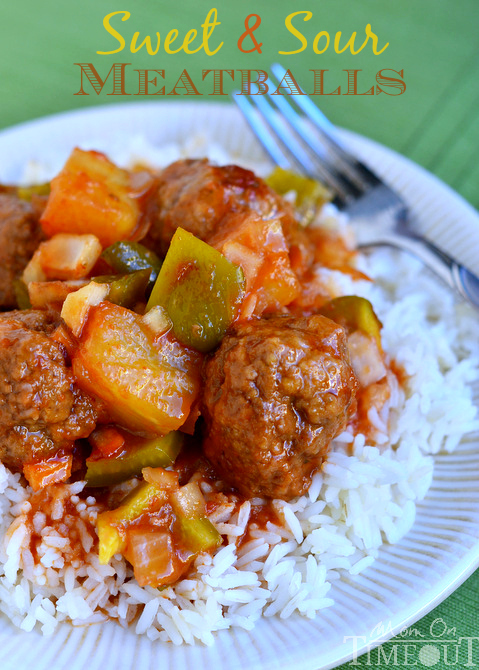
20	235
196	196
41	320
277	391
42	411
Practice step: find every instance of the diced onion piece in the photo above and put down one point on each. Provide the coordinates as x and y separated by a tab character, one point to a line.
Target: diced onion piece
248	260
189	426
64	256
67	256
77	305
44	294
260	248
249	305
163	479
152	554
157	320
33	271
366	358
189	501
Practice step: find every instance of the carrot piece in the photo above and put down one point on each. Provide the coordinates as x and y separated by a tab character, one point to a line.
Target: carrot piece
108	440
49	471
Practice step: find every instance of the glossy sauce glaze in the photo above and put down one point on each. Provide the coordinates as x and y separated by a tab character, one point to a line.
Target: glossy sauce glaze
263	406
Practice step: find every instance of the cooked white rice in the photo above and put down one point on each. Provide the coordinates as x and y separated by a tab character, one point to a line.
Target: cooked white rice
364	496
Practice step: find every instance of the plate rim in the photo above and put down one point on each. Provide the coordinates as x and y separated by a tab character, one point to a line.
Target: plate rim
122	107
470	561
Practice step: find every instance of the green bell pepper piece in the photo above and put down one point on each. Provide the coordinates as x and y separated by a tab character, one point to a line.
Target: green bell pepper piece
200	289
126	290
128	257
26	192
198	534
195	529
111	524
142	453
354	313
310	194
21	294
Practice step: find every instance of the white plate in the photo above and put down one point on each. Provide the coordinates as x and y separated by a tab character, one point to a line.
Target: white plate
409	578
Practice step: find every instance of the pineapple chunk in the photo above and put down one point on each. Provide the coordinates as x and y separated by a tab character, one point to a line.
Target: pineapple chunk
147	383
92	195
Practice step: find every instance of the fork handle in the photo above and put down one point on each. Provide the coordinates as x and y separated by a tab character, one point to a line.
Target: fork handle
455	275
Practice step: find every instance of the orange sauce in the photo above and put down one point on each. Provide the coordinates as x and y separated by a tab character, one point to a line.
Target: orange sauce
44	502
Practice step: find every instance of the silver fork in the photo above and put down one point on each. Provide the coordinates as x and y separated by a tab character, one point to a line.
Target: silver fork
311	145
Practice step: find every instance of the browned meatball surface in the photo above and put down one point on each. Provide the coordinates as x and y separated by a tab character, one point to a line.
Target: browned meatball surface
196	196
20	235
277	391
42	411
41	320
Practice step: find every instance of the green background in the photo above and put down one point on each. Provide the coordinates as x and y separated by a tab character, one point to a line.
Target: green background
435	122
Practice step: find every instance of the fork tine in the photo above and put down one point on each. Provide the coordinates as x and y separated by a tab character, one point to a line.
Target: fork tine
315	147
301	154
313	112
299	158
381	212
356	170
284	151
298	154
261	131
